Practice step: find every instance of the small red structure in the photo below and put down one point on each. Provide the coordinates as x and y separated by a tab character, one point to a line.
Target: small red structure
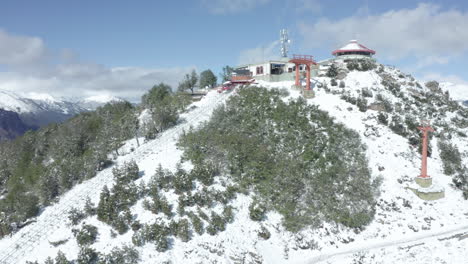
306	60
425	129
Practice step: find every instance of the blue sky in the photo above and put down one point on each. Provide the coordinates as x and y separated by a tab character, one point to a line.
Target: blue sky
84	48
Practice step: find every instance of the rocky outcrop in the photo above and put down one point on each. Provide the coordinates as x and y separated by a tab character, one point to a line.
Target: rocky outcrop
433	86
377	107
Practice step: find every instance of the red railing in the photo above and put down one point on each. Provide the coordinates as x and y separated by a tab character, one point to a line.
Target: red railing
303	57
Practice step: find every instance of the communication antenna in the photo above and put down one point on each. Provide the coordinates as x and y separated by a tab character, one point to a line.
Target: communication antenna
284	43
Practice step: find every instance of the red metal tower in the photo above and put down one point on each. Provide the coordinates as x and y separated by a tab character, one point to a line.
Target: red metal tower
306	60
425	128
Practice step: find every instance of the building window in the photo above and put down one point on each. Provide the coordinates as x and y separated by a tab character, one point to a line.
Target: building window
260	70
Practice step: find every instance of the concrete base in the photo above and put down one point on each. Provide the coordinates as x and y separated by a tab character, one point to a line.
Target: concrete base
429	195
296	87
423	182
308	93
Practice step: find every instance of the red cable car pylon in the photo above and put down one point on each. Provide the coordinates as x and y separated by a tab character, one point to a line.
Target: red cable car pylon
425	128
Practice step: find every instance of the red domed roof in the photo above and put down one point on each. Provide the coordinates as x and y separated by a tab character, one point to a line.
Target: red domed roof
353	46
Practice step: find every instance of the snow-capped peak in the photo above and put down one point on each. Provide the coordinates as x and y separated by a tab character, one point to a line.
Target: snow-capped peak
41	97
103	98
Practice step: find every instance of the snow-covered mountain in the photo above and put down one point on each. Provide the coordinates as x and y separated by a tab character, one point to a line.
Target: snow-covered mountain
38	109
93	102
405	229
11	125
457	92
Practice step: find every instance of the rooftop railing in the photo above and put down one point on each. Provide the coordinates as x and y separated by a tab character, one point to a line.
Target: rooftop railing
303	57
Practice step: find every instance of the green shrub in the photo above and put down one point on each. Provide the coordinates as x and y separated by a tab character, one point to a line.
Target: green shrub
382	118
332	71
361	103
87	255
124	255
273	147
451	158
257	211
217	224
87	235
61	258
228	214
197	224
264	233
460	180
183	230
75	216
342	84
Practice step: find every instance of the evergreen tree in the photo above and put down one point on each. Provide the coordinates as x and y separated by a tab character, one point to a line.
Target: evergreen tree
61	258
332	71
87	255
104	209
207	79
183	230
226	73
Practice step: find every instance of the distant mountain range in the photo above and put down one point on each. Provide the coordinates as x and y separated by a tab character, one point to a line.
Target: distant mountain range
11	125
19	113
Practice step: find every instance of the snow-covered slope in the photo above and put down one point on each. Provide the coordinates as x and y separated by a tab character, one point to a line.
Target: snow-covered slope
405	229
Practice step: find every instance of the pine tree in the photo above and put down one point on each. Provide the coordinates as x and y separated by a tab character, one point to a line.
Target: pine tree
183	230
332	71
61	258
104	211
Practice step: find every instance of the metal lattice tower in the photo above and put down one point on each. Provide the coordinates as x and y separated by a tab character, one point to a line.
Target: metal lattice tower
284	43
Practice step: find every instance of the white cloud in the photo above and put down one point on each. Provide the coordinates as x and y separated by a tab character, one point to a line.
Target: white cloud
426	30
431	61
90	80
232	6
29	69
20	50
260	53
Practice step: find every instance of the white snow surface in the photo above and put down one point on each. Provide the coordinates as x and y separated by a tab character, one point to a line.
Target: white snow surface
13	102
457	91
104	98
423	232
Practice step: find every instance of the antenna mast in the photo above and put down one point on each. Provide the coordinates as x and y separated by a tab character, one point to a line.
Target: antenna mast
284	43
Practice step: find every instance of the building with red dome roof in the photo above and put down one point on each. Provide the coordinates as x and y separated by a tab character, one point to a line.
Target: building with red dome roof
353	50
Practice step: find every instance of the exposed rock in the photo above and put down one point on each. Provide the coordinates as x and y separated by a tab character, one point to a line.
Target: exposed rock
433	86
342	73
387	77
377	107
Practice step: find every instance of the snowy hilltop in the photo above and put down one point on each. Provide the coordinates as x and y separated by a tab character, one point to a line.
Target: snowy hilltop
254	175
